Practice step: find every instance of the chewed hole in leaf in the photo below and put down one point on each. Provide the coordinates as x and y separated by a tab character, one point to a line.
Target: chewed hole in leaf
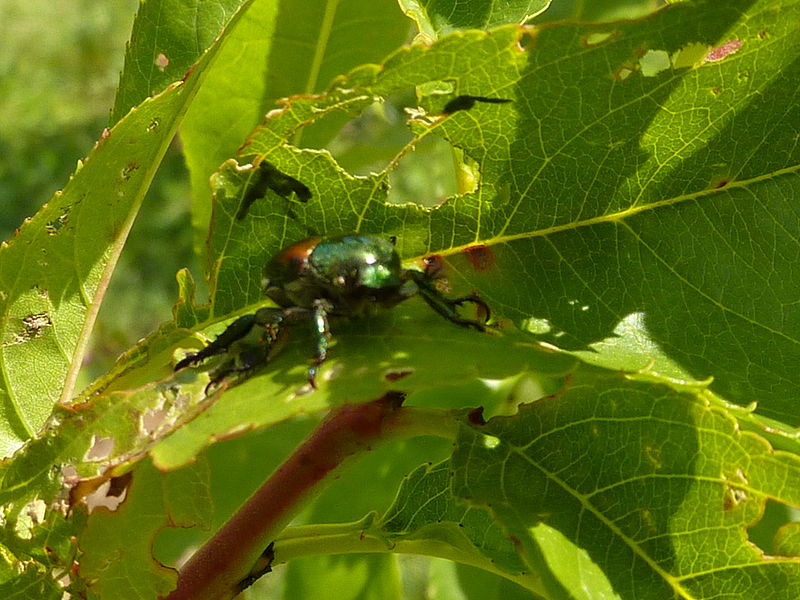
599	37
426	175
368	142
110	494
34	325
526	40
128	170
161	61
622	72
153	419
654	62
57	224
491	442
31	515
101	448
380	139
776	525
689	56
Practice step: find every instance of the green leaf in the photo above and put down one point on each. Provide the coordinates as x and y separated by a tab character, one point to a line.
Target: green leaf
435	18
611	272
54	273
632	206
614	191
117	544
427	511
280	49
649	494
168	37
398	350
84	447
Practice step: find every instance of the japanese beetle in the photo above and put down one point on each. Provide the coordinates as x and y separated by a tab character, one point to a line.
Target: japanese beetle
322	277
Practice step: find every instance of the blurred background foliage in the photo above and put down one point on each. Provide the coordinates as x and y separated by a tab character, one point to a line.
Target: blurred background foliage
59	69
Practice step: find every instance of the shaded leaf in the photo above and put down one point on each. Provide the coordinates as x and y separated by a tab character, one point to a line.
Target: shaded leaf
426	509
120	565
652	493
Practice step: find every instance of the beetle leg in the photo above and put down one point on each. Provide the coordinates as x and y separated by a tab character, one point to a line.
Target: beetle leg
474	300
254	355
247	361
322	337
268	318
445	306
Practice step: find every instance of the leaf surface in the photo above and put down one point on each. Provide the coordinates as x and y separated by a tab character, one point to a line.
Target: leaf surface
439	17
627	208
652	495
168	37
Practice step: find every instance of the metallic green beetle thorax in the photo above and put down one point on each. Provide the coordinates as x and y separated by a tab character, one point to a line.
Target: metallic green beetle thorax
357	261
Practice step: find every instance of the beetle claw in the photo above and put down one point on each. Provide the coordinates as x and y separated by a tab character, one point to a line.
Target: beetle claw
487	313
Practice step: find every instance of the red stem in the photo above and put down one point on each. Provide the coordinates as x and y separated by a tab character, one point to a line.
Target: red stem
215	571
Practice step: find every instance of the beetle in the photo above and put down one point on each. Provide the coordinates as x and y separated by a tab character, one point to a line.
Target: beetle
319	278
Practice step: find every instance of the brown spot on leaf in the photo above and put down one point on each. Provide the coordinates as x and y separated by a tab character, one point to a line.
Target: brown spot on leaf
623	72
481	257
188	73
129	170
517	543
718	184
727	503
475	416
433	265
